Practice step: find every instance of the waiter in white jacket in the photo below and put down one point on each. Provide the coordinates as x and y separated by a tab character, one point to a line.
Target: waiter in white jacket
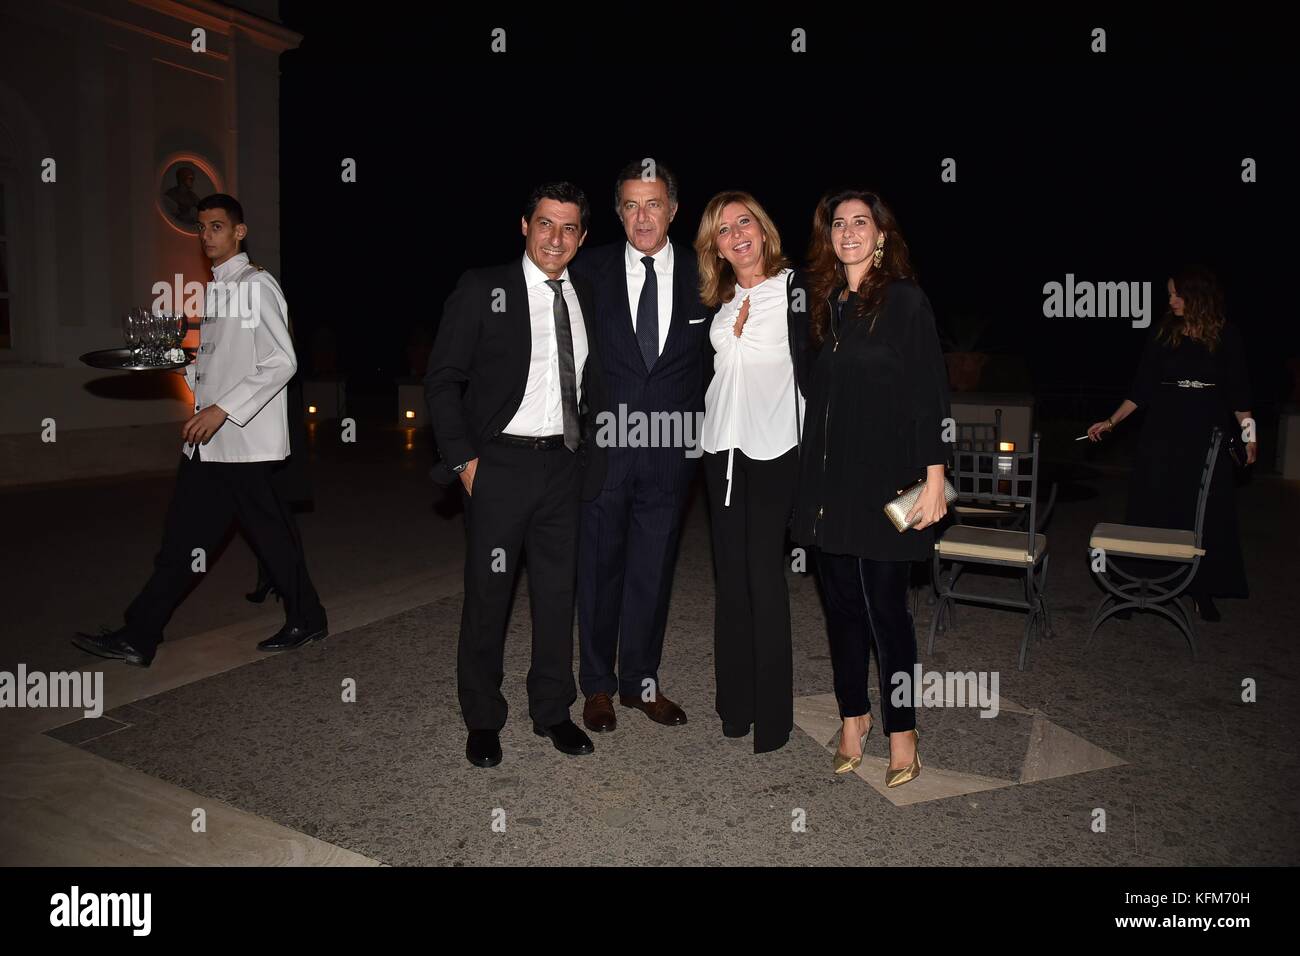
238	432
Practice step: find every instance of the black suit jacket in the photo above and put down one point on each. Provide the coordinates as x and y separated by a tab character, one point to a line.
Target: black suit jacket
675	383
478	367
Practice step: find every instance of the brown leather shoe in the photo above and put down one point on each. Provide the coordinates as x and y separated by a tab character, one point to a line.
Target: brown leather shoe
598	714
661	710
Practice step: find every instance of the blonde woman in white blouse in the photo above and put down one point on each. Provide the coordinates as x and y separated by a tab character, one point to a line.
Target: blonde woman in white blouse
750	438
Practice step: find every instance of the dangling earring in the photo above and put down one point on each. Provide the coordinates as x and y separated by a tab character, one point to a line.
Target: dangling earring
879	257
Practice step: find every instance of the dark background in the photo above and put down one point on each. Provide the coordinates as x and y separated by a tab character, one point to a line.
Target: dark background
1114	167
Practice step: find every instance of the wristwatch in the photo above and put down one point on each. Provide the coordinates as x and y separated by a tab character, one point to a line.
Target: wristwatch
461	467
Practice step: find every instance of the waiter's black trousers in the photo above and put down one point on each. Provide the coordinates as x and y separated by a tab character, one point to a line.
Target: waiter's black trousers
209	496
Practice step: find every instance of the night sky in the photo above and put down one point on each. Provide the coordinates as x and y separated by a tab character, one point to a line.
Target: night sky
1114	167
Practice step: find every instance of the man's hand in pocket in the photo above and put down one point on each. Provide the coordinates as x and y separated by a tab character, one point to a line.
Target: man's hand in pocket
467	476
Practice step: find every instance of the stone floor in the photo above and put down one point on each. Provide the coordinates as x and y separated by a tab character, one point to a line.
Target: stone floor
288	772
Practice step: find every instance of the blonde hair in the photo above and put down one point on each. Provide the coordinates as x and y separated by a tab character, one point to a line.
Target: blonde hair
717	278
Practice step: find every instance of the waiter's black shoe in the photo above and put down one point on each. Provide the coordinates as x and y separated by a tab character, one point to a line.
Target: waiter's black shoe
113	645
483	748
261	590
293	636
567	737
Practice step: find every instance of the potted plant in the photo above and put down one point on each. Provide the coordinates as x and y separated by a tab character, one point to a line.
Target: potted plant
962	337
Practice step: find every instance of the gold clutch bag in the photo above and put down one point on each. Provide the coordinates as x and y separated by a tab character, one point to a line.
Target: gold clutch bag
898	509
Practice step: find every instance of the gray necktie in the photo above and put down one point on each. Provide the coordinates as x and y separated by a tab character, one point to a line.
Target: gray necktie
647	315
568	373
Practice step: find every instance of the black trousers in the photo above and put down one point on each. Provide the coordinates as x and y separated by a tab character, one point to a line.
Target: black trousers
525	501
210	495
866	605
626	550
753	660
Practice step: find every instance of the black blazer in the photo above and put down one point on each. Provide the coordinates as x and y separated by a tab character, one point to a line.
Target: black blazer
675	383
873	423
478	367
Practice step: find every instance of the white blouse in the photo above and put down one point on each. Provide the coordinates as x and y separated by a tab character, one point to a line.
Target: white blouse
751	402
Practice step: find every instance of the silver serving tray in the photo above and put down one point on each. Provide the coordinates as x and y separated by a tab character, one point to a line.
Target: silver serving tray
121	360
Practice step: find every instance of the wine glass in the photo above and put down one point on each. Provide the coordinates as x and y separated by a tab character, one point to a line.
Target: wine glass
131	333
173	333
142	324
148	336
180	327
158	323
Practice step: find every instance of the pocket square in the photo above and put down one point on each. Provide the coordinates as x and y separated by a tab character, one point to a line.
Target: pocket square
704	318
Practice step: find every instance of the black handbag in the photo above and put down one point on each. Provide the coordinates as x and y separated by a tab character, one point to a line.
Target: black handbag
1232	442
1236	448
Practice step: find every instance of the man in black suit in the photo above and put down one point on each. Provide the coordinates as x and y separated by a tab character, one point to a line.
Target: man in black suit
512	368
652	331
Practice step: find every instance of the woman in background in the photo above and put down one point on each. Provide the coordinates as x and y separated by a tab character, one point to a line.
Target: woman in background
1192	377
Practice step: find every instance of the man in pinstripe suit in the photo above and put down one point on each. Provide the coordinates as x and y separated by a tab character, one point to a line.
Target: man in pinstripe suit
652	336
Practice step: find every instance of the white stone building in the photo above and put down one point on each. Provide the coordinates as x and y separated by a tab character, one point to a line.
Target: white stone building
108	98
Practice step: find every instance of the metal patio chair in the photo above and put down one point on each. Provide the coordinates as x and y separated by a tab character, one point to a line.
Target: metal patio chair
1166	545
995	478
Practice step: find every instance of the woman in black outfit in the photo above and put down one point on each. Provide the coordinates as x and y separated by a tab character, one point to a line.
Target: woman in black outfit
877	401
1192	376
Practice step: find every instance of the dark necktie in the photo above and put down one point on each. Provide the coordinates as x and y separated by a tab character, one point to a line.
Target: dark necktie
568	373
647	315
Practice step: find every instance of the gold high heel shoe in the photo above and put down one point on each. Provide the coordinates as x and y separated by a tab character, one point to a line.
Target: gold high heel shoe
896	778
845	764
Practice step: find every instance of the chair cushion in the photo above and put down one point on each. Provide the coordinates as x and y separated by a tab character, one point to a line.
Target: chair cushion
990	511
1136	541
989	544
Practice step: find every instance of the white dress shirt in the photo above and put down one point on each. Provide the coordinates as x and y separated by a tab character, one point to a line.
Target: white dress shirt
243	364
632	257
539	411
751	402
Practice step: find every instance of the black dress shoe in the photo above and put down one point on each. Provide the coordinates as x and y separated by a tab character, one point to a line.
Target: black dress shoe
113	645
292	636
734	730
567	737
483	748
1207	609
261	590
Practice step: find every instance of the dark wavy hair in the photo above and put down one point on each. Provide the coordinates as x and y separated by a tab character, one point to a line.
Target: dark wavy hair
1202	319
826	272
560	192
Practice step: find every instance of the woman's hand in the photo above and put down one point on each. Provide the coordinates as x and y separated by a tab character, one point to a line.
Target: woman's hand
930	506
741	318
1097	429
